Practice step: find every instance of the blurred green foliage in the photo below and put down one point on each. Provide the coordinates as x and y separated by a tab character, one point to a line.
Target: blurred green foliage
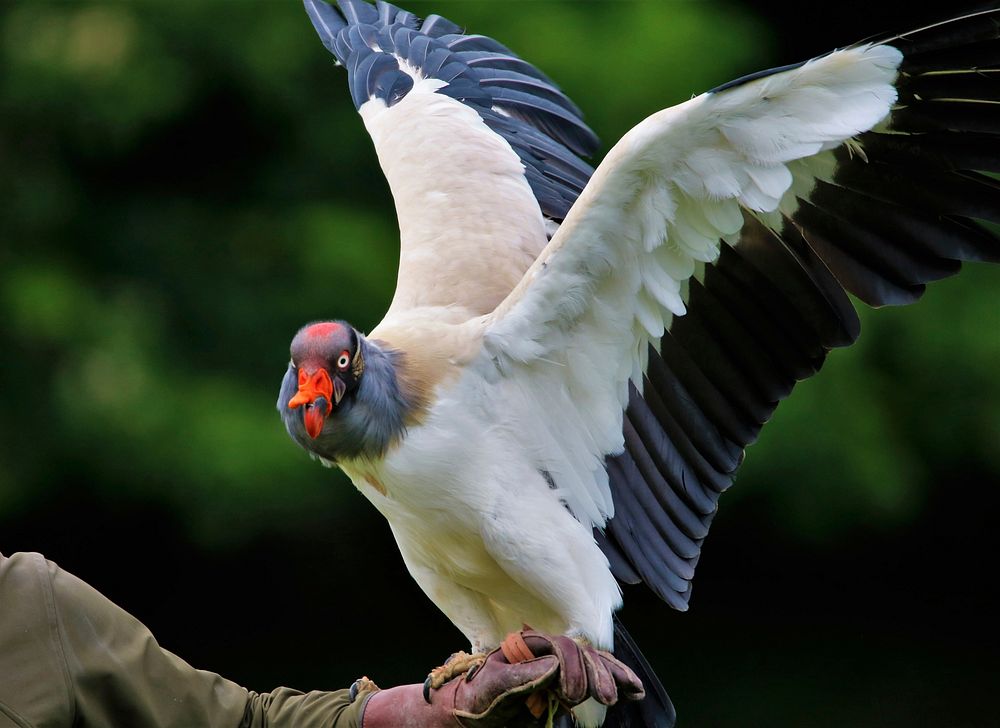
186	183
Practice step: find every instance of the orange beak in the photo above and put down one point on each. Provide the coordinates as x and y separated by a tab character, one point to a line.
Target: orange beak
318	393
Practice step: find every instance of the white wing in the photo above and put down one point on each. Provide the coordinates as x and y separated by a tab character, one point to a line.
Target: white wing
478	146
703	271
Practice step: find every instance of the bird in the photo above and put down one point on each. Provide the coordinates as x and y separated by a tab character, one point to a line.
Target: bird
575	360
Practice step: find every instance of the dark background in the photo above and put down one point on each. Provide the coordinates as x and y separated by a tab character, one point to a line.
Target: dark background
185	183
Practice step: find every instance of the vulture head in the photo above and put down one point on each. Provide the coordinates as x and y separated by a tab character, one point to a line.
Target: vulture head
329	364
340	396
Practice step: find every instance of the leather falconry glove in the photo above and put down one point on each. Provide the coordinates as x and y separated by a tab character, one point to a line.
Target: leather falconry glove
499	692
584	671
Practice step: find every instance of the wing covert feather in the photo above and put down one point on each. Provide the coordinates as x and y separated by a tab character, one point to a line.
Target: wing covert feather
706	267
481	150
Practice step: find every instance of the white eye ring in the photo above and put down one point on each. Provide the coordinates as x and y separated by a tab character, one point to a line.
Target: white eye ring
342	361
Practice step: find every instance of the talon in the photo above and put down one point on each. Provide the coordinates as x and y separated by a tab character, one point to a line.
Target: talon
427	689
459	664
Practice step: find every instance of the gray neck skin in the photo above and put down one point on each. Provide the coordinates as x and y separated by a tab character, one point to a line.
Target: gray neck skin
368	420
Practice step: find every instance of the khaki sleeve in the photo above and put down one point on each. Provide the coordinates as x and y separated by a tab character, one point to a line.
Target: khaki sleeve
287	708
34	684
91	664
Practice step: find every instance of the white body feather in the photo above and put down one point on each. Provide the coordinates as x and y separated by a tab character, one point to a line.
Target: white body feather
481	531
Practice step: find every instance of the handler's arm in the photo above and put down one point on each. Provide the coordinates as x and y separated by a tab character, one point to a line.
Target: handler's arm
70	657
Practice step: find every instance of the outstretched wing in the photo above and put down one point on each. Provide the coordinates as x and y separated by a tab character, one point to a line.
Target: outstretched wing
479	147
706	266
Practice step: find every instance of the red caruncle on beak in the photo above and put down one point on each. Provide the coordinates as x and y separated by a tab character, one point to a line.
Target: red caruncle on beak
316	392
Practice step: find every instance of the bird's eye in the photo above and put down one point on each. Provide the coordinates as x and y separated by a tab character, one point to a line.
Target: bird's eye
343	360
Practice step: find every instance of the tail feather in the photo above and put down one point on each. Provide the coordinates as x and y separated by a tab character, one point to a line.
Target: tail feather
653	711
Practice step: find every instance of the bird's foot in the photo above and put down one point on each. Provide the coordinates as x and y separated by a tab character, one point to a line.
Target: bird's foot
458	664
